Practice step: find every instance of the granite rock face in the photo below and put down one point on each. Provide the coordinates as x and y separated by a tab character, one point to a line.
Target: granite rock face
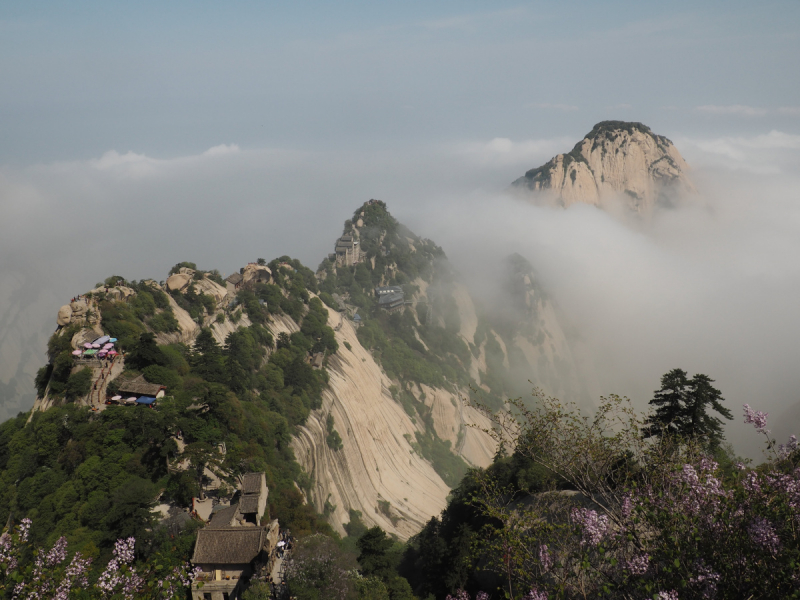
616	161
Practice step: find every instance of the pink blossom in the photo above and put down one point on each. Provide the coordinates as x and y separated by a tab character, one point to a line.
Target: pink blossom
671	595
535	594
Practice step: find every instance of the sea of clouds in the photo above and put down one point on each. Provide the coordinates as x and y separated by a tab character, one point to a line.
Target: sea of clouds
711	287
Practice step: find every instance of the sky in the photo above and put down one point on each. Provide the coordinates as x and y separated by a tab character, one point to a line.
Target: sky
137	135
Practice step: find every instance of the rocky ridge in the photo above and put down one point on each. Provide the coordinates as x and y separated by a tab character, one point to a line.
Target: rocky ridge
617	160
385	419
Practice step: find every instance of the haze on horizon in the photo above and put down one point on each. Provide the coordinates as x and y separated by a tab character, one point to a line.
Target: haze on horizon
135	139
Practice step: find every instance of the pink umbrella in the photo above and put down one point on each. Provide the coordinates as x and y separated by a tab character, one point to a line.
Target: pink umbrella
76	353
95	345
87	345
112	352
108	346
101	354
116	397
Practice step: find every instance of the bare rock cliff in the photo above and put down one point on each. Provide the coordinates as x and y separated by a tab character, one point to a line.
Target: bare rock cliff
616	160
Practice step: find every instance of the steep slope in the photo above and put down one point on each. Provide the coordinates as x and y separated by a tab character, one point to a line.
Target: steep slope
616	160
372	392
397	394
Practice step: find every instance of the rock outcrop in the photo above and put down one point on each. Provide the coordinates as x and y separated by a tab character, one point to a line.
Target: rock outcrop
617	160
376	463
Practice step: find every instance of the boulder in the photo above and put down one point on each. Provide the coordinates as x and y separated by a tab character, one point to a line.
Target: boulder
64	315
178	281
78	308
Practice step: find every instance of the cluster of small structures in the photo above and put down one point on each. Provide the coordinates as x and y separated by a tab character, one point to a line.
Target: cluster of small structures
138	391
235	549
252	273
390	298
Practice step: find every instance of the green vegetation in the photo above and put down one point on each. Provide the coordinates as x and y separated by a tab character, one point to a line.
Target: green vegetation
682	407
94	477
419	344
333	439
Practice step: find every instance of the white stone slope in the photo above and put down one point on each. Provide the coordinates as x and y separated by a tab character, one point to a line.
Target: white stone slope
376	463
635	167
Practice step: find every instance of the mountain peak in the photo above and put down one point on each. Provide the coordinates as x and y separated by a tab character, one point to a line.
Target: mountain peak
615	159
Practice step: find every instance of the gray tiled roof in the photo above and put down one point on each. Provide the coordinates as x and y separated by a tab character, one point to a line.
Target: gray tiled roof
228	546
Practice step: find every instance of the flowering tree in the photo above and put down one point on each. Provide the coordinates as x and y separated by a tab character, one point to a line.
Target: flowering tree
51	576
645	518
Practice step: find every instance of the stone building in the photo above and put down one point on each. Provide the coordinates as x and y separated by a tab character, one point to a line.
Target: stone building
229	557
390	298
234	281
234	548
347	251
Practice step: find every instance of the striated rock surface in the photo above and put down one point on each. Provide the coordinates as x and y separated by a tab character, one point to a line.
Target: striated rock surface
377	462
617	160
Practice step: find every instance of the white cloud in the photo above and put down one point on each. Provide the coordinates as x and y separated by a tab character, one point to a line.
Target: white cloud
562	107
773	152
732	109
132	165
793	111
222	149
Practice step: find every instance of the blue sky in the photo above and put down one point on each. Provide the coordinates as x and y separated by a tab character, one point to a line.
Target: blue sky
171	78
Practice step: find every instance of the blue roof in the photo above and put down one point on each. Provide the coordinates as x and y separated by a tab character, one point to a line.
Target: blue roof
356	317
145	400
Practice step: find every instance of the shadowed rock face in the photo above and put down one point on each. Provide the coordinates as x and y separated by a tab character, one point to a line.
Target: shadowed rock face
616	160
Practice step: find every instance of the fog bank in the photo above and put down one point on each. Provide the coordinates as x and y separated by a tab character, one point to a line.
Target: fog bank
710	288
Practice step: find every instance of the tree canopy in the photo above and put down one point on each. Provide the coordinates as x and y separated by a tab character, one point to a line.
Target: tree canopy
682	409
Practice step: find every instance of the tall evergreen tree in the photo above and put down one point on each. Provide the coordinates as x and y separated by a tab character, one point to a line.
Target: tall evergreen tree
682	409
670	403
698	423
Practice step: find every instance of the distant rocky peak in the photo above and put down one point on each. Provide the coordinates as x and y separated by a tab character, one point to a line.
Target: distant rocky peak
615	160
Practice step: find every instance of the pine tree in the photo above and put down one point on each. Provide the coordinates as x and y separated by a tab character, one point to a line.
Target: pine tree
698	423
682	409
670	401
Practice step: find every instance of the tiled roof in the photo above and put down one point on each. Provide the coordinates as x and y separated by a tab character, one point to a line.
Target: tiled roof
228	545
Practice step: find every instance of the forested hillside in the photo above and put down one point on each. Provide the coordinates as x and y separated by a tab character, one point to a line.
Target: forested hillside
94	476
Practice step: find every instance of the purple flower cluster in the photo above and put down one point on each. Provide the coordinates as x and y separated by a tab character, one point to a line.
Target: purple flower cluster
757	418
544	558
693	492
594	527
638	565
119	576
627	506
763	534
706	580
671	595
535	594
787	449
463	595
24	529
